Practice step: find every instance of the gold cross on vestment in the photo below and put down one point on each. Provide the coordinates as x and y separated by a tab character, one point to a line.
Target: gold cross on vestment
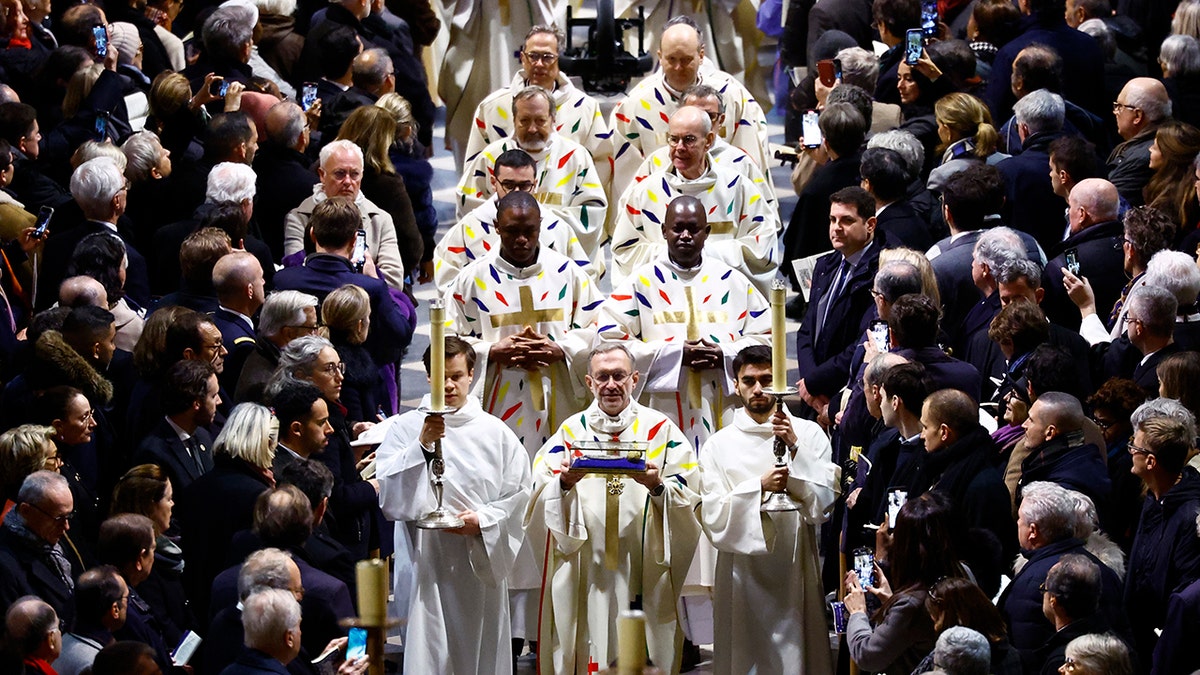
527	315
693	317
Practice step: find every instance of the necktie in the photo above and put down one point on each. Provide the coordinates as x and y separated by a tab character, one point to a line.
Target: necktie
835	290
193	448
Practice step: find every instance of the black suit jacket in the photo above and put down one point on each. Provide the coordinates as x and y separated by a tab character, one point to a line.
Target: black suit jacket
945	371
61	246
825	361
239	339
952	268
163	447
902	224
326	601
1031	204
1100	260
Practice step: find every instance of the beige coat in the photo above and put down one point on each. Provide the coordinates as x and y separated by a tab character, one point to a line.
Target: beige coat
381	235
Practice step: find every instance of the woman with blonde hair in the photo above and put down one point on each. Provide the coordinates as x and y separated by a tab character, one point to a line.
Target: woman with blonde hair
965	128
412	163
221	502
346	312
374	130
1186	20
24	450
1172	188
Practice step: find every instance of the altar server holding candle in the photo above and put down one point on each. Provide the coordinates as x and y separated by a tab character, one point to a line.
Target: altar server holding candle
458	617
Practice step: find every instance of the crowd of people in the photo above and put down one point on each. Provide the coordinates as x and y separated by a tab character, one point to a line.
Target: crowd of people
213	219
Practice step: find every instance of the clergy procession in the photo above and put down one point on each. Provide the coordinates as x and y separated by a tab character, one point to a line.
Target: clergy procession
787	337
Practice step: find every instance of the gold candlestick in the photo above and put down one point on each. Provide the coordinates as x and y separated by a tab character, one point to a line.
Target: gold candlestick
372	578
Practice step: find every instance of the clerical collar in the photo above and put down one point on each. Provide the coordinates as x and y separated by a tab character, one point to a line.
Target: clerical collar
685	271
679	94
510	268
601	422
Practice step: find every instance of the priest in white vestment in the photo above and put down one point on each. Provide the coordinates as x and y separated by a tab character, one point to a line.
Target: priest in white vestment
639	121
577	115
617	541
522	308
721	153
769	602
458	619
567	180
474	235
685	317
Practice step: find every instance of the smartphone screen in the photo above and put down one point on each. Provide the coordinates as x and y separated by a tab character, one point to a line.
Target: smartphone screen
308	96
43	221
864	566
896	499
811	130
914	44
1072	255
356	645
360	250
881	335
101	127
837	70
929	18
100	33
825	72
218	88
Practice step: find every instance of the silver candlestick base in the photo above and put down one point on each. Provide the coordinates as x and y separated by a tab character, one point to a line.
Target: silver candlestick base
779	502
440	518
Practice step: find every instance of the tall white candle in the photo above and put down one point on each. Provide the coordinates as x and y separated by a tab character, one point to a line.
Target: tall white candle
437	354
778	333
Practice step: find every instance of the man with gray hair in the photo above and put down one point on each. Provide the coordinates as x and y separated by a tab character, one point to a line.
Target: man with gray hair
962	651
264	569
271	622
1094	240
577	113
100	189
373	75
995	249
1140	109
861	68
33	634
341	175
1150	313
285	316
566	183
1032	204
32	558
281	164
1165	554
1046	533
1059	453
1178	273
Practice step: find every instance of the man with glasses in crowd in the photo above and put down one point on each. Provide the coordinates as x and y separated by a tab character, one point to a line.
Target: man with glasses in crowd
341	174
1140	109
567	181
33	560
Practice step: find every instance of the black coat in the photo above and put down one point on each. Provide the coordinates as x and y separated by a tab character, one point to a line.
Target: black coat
1165	557
1031	205
60	247
254	662
1081	55
1129	166
1100	260
285	178
825	361
353	502
1074	464
239	339
28	570
1021	602
163	447
208	512
902	224
808	230
1175	653
1048	658
945	371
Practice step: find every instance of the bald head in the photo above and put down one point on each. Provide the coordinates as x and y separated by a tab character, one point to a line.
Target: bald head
1142	105
679	55
685	230
28	626
690	119
1092	201
689	138
285	126
81	291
